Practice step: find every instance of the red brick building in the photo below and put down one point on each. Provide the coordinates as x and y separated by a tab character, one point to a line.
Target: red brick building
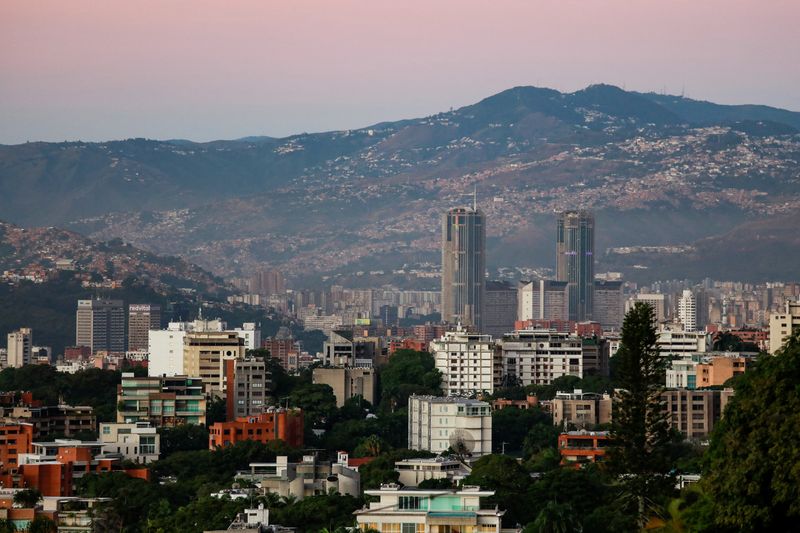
14	440
274	424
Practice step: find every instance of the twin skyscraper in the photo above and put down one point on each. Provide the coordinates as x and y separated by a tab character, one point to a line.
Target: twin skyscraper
464	264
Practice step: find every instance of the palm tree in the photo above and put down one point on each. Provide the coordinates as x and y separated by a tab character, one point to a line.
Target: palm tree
27	498
555	518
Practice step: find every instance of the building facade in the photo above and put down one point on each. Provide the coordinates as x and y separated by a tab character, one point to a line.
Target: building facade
249	386
500	308
782	325
100	325
436	424
537	357
581	409
273	424
138	442
348	382
20	346
463	266
141	319
167	401
205	353
687	310
467	363
575	261
609	304
543	300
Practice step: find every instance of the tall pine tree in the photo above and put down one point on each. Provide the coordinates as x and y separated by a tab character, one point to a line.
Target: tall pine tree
640	432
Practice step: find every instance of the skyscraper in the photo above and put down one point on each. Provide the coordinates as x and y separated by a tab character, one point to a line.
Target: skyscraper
463	266
100	325
20	344
141	319
575	261
687	310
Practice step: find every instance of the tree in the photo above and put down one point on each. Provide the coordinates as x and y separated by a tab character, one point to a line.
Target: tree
216	411
509	480
42	524
408	372
27	498
554	518
640	431
752	473
7	526
183	438
372	446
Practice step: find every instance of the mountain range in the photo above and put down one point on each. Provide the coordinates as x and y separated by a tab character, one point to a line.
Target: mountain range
660	171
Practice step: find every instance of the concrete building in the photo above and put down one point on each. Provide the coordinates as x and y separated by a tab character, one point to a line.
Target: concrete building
348	382
682	374
609	304
250	334
414	471
436	424
165	350
467	363
205	353
687	311
20	344
141	319
463	266
695	412
543	300
167	401
50	420
537	357
100	325
575	261
711	369
343	348
581	409
656	301
782	325
272	424
267	282
580	447
673	340
499	308
138	442
402	510
248	388
309	477
16	438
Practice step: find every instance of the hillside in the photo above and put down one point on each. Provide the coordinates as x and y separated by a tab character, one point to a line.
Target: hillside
657	169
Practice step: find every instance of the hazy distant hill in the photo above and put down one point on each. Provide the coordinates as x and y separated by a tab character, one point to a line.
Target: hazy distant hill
657	169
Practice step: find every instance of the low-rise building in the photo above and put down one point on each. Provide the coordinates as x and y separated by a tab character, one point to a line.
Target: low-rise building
138	442
48	420
273	424
309	477
580	447
436	424
166	401
529	402
347	382
695	412
412	472
404	510
581	409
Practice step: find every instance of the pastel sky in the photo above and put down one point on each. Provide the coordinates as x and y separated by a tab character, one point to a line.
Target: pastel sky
96	70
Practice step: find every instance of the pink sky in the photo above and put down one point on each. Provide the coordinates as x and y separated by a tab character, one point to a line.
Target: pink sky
204	70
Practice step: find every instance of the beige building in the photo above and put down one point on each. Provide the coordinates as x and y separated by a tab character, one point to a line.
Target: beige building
347	382
543	299
609	304
205	353
581	409
695	412
656	301
20	345
309	477
781	325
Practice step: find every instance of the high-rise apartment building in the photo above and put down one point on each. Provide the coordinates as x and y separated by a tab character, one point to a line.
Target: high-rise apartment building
575	261
205	353
609	304
467	363
543	299
656	301
537	357
100	325
20	345
687	311
500	308
463	266
141	319
268	282
782	325
249	385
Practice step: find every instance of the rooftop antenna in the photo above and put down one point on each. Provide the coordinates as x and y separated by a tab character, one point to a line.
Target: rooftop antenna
475	198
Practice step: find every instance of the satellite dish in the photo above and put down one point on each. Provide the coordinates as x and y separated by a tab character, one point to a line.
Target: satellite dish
461	442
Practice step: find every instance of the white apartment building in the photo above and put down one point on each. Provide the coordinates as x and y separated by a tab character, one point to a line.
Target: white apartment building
412	472
467	363
20	345
251	335
402	510
537	357
682	374
687	310
674	340
137	441
781	326
166	347
437	423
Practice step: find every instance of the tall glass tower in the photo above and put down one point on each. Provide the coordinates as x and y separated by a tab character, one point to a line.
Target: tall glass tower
463	266
575	261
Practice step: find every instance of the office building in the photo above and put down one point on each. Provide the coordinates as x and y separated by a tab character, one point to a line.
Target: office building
782	325
609	304
575	261
273	424
249	386
20	346
463	266
348	382
543	299
100	325
537	357
656	301
436	424
267	283
162	401
467	363
403	510
687	311
141	319
499	308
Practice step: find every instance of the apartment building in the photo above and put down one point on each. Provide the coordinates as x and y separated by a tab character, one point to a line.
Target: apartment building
205	353
309	477
782	325
162	401
412	472
537	357
581	409
543	300
273	424
248	388
20	346
695	412
580	447
467	362
138	442
436	424
674	340
348	382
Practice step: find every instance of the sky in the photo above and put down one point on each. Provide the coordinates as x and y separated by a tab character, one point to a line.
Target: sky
203	70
